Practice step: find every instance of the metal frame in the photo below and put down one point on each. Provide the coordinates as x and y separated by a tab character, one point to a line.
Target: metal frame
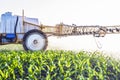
64	30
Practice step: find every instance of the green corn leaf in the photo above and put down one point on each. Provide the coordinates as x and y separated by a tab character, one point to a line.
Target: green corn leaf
2	74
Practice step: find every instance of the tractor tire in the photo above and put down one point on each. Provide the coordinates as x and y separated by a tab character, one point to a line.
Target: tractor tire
35	40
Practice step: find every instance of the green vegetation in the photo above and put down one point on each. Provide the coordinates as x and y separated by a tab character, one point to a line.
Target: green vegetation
57	65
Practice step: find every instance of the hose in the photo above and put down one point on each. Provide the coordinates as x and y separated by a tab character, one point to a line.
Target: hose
99	45
15	29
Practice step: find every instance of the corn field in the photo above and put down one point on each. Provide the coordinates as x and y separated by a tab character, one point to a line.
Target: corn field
57	65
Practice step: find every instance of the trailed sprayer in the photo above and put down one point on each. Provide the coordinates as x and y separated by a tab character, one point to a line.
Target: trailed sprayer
33	36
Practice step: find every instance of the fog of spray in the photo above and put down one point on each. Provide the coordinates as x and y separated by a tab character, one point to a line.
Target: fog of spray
110	44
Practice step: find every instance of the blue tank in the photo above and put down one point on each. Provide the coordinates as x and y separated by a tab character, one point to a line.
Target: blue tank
8	22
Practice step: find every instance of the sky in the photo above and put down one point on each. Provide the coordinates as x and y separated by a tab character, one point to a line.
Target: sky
79	12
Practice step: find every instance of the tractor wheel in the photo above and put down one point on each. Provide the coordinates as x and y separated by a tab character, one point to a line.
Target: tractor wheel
35	40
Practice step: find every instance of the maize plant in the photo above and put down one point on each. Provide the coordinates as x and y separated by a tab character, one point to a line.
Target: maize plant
57	65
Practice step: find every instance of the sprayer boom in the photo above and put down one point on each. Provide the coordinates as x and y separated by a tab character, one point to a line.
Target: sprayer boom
71	30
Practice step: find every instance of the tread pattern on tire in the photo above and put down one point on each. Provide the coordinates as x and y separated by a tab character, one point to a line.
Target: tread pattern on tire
30	33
